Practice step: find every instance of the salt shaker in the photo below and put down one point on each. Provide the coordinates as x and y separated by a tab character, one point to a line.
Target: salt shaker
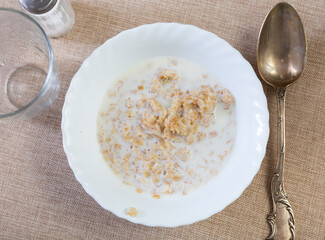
55	16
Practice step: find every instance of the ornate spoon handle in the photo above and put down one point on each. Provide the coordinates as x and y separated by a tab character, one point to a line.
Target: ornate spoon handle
281	219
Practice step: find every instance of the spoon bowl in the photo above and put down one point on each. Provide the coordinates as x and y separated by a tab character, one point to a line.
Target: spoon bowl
281	52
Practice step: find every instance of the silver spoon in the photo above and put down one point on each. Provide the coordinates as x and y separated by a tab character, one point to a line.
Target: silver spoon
281	57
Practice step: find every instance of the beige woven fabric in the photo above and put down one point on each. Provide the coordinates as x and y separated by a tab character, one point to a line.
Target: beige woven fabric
41	199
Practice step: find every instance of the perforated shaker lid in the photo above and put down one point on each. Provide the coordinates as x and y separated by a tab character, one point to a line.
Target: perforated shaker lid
38	6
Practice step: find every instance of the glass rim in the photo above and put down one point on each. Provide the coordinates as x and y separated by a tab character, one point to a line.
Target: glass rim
51	63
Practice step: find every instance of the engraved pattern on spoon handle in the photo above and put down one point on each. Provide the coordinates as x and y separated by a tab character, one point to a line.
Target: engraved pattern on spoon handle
281	219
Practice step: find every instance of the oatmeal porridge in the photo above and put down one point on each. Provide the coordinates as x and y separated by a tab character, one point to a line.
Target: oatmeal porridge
166	127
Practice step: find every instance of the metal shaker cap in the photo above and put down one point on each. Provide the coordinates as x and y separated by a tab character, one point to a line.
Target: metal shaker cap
38	6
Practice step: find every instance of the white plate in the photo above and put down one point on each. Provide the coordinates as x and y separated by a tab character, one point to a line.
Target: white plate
96	75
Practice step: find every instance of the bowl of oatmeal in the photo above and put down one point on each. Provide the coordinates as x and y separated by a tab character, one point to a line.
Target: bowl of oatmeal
165	131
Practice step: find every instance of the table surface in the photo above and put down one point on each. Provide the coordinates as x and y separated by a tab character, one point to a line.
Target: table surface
39	195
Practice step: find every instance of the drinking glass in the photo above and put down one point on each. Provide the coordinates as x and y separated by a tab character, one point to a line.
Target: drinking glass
29	77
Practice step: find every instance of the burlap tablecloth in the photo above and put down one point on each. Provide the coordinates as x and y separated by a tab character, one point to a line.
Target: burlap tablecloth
39	195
